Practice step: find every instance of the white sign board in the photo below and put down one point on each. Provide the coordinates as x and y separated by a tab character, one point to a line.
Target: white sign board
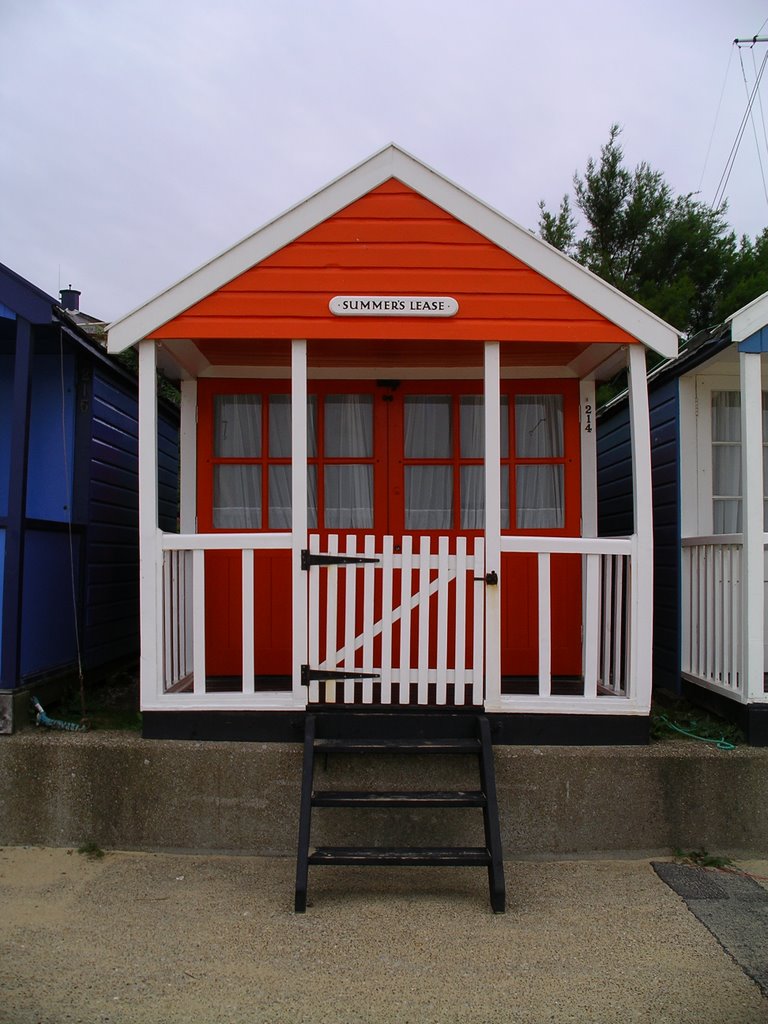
393	305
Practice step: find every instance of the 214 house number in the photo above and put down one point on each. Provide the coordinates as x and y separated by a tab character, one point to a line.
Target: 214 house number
587	418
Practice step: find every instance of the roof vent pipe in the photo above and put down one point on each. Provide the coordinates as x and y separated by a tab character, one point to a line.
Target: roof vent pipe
70	299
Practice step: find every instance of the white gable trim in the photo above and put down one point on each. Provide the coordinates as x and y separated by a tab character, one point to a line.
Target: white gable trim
393	162
749	318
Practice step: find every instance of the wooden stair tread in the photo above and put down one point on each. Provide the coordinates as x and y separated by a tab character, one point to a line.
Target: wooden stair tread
397	746
404	856
396	798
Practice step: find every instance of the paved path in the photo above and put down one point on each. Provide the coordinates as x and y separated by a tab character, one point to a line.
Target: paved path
196	939
733	906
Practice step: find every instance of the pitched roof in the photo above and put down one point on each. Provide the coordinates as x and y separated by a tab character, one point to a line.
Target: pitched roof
393	162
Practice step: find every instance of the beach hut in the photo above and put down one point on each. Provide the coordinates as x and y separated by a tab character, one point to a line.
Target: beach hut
708	408
68	497
388	475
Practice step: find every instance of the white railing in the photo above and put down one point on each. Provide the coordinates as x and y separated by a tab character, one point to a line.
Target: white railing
607	600
712	611
183	604
410	624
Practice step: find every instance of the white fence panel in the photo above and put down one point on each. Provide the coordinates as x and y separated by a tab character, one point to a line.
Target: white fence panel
712	612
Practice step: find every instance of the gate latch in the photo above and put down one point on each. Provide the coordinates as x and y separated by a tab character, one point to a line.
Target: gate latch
491	578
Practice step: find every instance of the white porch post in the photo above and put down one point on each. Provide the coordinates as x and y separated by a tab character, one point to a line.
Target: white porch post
150	568
752	565
299	521
641	604
492	386
590	599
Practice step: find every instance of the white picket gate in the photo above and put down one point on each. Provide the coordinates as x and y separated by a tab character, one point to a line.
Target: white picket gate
407	624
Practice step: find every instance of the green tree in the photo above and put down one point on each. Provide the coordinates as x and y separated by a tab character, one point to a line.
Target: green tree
671	253
747	277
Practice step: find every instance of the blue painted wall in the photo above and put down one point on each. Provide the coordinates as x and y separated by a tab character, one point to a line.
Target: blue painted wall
2	570
48	639
665	467
615	516
51	437
168	473
6	390
111	604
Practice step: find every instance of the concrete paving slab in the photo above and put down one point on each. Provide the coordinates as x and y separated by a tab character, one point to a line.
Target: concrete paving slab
137	938
733	906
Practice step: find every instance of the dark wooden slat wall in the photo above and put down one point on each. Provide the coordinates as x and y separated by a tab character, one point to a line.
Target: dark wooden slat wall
615	513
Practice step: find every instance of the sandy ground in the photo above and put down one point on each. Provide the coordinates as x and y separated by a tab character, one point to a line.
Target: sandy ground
164	938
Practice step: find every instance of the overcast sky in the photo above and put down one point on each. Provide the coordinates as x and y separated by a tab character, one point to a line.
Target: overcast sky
139	138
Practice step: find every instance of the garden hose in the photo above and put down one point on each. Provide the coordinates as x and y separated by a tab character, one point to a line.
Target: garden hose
721	744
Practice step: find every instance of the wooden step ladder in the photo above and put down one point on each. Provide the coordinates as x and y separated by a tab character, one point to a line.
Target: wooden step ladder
352	732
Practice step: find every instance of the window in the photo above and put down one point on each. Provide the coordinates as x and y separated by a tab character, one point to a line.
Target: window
539	464
252	462
726	462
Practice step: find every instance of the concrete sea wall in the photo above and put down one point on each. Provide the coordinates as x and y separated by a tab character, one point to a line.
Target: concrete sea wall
125	792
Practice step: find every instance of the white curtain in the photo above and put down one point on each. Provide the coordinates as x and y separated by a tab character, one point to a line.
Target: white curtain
348	488
237	426
540	504
726	462
237	497
539	426
237	489
472	446
428	433
348	497
349	426
428	489
539	488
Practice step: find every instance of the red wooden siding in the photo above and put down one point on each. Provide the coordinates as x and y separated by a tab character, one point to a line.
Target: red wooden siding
393	241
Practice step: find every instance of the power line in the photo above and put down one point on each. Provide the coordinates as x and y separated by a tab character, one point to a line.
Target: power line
752	119
723	183
717	116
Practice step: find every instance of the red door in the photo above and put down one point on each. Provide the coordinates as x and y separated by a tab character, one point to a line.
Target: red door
386	458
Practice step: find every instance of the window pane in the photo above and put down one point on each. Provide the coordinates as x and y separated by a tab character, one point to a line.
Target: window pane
472	427
280	426
237	426
349	497
237	497
539	426
504	427
540	497
312	497
726	515
428	427
505	497
312	426
280	504
428	497
726	416
726	470
349	426
472	483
